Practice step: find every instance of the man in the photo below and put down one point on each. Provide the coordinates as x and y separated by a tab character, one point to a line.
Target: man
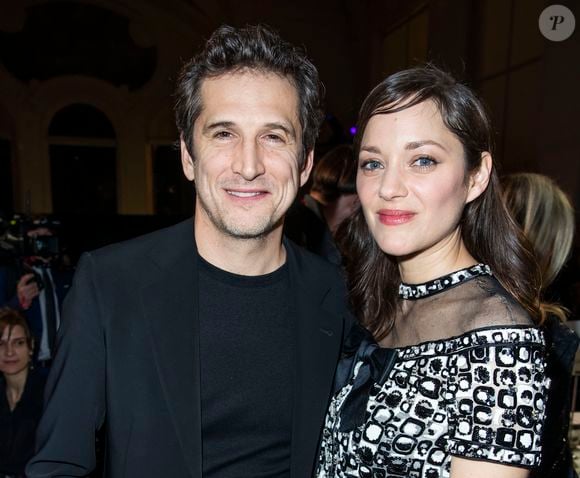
209	348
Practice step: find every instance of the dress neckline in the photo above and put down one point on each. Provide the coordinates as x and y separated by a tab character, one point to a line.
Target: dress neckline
435	286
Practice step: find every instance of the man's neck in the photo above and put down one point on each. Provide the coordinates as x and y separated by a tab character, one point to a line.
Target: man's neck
250	257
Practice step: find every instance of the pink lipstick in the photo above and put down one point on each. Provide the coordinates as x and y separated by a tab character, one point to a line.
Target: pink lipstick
395	217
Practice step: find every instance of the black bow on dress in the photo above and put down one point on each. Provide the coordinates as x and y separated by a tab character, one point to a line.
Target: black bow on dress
377	363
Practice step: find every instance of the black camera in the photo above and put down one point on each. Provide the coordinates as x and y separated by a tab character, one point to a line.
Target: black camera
17	238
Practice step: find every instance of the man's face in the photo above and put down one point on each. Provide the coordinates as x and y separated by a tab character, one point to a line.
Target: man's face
247	143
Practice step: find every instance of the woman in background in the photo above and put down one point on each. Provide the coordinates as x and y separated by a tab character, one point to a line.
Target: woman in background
545	214
20	394
332	198
447	379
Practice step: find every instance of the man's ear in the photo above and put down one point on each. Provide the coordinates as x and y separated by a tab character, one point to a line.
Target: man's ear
186	161
306	168
480	179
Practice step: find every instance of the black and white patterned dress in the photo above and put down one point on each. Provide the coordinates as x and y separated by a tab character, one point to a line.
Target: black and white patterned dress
479	392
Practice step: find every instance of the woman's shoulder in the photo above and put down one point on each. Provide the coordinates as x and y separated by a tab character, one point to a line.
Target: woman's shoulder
485	303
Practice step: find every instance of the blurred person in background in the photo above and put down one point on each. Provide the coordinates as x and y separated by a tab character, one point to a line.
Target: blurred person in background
35	284
21	389
333	195
332	199
546	216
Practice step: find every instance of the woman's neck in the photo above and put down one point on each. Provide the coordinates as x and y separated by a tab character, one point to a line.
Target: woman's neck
15	384
448	256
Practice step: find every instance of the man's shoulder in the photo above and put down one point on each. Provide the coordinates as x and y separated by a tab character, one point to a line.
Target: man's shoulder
319	278
308	259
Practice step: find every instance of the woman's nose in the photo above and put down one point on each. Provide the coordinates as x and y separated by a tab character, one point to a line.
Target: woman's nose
392	185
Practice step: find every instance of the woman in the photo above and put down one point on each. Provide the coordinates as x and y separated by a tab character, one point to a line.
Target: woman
20	394
450	380
546	216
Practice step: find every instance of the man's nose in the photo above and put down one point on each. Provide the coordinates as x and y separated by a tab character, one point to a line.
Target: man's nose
248	161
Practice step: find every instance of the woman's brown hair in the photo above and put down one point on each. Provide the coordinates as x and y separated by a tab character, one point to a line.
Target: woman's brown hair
10	318
488	231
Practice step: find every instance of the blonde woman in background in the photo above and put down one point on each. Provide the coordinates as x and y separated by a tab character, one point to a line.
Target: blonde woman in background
545	214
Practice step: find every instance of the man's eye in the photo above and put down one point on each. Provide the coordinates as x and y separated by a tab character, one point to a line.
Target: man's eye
274	137
223	135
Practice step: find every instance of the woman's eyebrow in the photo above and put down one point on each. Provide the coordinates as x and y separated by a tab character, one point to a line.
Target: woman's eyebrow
371	149
418	144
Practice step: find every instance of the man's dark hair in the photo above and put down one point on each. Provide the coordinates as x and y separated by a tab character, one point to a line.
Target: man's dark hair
255	48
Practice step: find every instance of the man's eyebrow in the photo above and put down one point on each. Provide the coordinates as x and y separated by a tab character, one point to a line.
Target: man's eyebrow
218	124
287	128
418	144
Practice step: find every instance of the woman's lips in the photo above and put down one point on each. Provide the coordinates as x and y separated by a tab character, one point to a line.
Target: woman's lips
10	364
395	217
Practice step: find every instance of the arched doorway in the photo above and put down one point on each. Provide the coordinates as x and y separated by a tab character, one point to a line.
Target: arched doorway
82	161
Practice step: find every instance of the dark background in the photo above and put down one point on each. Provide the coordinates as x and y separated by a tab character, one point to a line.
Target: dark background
86	123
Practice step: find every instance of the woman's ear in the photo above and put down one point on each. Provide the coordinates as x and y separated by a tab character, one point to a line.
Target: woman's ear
480	178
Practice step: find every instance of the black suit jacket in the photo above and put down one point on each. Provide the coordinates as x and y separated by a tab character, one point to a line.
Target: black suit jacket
129	351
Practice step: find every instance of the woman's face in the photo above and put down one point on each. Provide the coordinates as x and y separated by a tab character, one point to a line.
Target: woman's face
411	181
14	350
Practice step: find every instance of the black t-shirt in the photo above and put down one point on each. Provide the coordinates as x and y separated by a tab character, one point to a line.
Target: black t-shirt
247	373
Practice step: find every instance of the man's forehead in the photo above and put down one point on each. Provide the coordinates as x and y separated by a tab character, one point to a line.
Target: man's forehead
247	91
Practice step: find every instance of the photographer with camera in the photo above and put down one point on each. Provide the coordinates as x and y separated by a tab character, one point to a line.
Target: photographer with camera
33	284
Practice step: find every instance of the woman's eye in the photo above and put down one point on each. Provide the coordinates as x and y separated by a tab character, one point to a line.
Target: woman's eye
370	165
425	162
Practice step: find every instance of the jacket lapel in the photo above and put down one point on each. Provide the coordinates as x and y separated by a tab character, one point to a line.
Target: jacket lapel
170	309
318	339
